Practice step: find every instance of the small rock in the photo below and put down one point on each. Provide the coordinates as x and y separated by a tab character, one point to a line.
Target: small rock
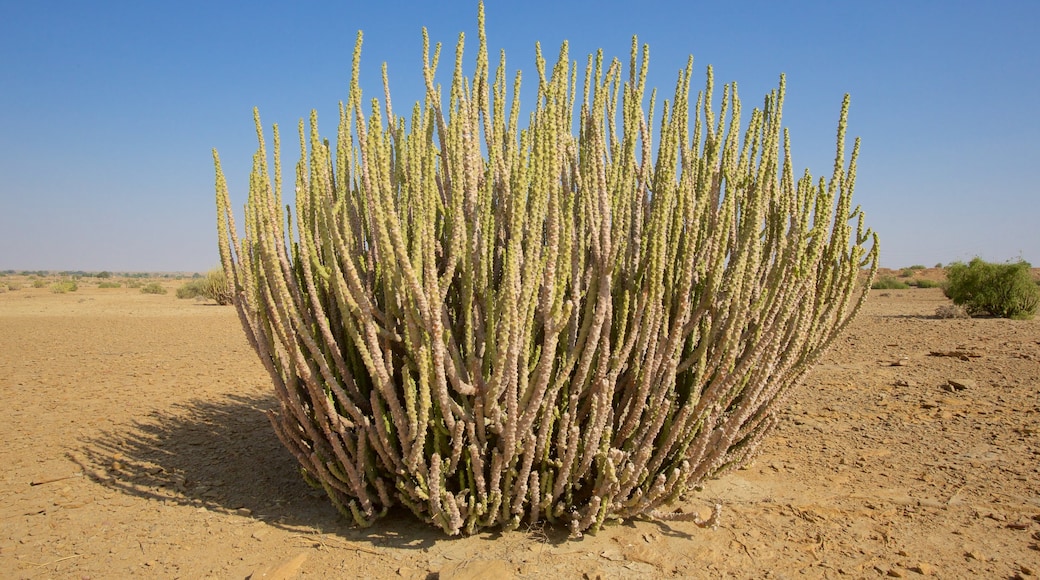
893	573
1025	570
924	569
973	555
961	384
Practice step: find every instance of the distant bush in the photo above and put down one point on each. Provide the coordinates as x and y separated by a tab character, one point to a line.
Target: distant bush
153	288
104	274
213	286
916	267
889	283
63	286
109	285
14	286
1004	290
193	289
926	283
39	283
133	283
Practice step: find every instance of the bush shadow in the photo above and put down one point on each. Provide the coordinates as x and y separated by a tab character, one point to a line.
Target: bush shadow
224	456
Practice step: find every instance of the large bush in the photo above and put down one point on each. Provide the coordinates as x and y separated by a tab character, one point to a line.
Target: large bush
491	325
1005	290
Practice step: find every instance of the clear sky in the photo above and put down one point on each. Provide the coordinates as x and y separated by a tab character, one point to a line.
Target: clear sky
109	110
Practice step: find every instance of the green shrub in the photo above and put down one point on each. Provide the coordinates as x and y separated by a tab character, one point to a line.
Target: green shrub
153	288
193	289
108	284
39	283
922	283
889	283
490	325
1004	290
63	286
214	287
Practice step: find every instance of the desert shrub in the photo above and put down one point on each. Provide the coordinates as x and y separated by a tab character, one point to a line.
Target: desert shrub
63	286
192	289
951	311
924	283
213	286
539	325
1004	290
153	288
889	283
39	283
108	284
134	283
14	286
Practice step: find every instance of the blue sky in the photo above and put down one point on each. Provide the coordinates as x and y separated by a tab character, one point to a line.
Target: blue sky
109	110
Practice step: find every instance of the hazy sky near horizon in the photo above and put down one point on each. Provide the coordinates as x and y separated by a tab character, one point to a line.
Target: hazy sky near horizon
109	110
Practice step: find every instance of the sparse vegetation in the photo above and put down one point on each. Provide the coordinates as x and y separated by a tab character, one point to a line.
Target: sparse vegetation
889	283
153	288
63	286
213	286
39	283
925	283
109	284
1005	290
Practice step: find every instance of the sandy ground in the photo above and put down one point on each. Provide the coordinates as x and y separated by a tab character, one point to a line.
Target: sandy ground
134	446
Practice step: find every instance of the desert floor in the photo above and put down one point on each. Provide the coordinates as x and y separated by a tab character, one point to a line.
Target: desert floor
134	445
